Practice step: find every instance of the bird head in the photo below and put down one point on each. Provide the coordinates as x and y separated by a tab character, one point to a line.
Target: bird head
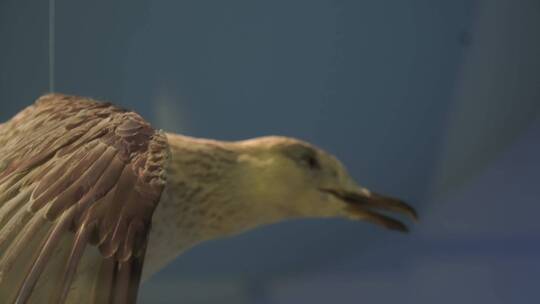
217	189
291	178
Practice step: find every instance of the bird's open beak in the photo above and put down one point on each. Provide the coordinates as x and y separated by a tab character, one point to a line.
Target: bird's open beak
366	205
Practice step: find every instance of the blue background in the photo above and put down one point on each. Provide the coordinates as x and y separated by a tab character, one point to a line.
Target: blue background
436	102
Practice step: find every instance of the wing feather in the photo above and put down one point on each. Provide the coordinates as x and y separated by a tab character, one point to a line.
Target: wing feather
104	286
77	251
79	181
47	249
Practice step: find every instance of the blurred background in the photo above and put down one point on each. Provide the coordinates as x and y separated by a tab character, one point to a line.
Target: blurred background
436	102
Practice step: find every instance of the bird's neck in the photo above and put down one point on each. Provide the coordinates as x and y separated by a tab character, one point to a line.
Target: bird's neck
201	200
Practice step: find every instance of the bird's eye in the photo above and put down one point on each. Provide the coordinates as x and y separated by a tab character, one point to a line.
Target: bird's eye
303	155
310	161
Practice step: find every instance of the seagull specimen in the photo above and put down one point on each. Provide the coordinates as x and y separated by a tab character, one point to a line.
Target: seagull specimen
88	191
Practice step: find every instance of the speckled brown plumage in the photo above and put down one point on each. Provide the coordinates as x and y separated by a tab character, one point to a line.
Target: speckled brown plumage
89	170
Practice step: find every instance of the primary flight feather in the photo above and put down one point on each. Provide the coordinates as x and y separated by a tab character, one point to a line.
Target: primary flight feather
93	199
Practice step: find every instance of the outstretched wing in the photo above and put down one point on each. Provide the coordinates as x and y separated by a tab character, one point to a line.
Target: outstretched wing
79	181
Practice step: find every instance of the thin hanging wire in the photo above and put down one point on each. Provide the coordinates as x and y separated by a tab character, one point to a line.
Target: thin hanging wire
52	8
